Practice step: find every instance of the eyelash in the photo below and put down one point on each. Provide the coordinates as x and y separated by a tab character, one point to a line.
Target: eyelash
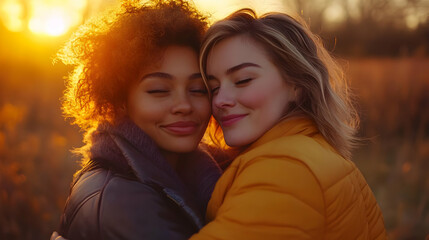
202	91
157	91
213	90
244	81
197	91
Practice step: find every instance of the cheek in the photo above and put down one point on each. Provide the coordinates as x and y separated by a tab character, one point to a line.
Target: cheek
266	93
145	115
254	97
142	111
203	108
214	109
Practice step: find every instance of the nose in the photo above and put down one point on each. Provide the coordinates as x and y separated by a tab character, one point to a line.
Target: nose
181	104
224	98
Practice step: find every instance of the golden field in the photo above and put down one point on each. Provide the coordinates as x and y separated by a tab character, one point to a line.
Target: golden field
393	98
36	165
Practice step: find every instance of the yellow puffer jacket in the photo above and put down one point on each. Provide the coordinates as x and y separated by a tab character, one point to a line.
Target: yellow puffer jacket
290	184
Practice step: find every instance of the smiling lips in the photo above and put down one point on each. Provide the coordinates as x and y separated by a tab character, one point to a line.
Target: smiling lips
231	119
181	128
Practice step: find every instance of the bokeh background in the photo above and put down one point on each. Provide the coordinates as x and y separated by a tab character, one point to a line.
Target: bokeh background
383	46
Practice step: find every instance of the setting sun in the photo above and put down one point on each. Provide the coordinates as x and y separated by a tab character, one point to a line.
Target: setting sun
55	17
46	17
58	17
50	22
12	15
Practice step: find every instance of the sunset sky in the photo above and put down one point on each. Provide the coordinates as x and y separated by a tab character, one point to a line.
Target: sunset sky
58	17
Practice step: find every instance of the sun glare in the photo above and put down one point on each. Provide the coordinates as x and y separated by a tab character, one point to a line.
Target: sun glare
334	14
57	17
46	17
11	14
49	21
54	18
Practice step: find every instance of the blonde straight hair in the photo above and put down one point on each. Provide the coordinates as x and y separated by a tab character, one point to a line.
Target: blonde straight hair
303	62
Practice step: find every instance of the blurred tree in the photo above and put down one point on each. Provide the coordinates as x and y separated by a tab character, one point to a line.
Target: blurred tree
369	27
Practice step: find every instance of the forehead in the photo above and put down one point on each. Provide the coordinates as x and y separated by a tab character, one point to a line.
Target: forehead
174	59
234	51
180	56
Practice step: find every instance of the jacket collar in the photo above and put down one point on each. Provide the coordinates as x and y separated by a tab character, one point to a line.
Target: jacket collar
127	147
287	127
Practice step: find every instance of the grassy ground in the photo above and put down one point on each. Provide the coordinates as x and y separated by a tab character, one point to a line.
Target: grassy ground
36	166
393	99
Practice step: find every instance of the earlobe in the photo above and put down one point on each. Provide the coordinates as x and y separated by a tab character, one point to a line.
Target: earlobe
123	110
124	107
297	93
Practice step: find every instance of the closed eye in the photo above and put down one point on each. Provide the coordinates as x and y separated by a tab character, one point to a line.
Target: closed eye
199	91
244	81
214	90
157	91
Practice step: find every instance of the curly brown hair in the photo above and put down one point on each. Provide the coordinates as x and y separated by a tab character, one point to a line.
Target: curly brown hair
109	51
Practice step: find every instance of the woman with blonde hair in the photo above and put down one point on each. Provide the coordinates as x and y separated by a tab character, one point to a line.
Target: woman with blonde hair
281	99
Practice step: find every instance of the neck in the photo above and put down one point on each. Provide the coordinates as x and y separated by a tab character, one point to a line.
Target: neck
171	157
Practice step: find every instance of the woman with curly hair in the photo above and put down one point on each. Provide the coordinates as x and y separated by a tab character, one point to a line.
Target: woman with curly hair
137	93
279	96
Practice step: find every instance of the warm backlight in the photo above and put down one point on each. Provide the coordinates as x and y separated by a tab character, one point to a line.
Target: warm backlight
12	14
219	9
47	17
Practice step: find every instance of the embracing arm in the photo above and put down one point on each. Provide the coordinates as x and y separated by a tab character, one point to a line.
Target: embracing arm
270	198
127	209
138	211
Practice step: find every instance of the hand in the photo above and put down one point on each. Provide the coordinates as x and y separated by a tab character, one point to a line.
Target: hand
56	236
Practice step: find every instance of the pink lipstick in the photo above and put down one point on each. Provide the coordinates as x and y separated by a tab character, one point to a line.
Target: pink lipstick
231	119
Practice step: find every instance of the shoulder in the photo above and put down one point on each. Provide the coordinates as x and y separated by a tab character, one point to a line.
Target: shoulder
110	206
134	210
86	188
79	219
105	192
278	187
290	153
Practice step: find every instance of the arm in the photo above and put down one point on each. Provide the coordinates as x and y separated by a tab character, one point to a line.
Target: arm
270	198
130	210
373	212
138	211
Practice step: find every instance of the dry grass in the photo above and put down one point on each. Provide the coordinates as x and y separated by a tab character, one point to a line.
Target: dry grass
36	166
393	98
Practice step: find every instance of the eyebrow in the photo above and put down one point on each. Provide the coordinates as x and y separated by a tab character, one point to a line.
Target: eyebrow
241	66
235	69
168	76
195	76
157	75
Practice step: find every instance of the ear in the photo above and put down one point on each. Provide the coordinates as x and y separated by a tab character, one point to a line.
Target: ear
297	93
123	107
123	110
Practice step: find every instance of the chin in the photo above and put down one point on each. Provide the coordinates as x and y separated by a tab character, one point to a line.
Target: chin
237	140
183	147
233	142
